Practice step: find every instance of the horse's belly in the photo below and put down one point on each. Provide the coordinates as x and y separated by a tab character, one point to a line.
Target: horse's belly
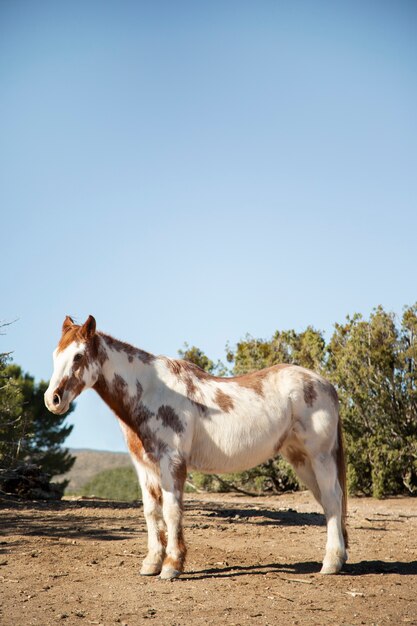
219	463
226	449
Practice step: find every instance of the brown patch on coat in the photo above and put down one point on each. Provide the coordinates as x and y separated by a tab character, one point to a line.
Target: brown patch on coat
134	444
139	390
96	350
254	380
179	474
174	366
141	414
160	447
189	375
296	455
309	390
130	351
326	387
224	401
129	409
190	386
313	386
187	366
280	443
333	394
119	387
163	538
182	548
71	384
182	370
140	441
170	419
153	446
155	492
176	563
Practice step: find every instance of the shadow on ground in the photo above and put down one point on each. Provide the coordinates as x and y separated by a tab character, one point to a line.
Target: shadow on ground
263	517
308	567
66	519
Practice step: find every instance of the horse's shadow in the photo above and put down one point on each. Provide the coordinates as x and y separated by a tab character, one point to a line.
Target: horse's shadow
362	568
259	516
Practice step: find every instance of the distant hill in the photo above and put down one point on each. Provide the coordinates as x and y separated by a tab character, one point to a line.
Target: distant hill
89	463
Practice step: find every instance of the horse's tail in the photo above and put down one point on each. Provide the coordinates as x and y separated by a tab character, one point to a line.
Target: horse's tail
341	473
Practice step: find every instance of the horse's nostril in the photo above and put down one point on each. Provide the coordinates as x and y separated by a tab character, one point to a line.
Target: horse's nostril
56	399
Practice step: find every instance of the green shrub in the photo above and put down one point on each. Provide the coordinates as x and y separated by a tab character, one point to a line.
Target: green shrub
275	476
120	483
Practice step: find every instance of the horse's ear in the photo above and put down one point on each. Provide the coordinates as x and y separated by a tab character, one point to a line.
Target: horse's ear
88	329
68	323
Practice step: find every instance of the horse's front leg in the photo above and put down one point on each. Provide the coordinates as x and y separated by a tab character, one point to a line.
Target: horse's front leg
152	509
173	475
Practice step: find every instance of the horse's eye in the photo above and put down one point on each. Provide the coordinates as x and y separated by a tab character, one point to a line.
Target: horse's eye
78	357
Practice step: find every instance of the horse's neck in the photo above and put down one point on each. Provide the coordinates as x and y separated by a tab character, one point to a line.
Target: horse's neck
119	347
126	373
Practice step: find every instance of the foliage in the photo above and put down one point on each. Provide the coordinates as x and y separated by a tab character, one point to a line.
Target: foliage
119	483
11	419
306	349
45	432
29	433
197	356
373	365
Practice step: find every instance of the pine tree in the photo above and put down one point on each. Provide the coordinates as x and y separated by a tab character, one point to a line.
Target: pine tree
42	433
11	419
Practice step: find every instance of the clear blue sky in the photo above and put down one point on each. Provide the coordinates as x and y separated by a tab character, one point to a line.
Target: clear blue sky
192	171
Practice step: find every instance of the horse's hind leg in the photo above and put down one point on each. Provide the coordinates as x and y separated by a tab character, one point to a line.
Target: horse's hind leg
303	468
331	495
319	473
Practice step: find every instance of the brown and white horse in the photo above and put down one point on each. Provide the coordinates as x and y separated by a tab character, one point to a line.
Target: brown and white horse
176	417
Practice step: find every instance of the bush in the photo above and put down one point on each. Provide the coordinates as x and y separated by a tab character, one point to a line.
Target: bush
274	476
120	483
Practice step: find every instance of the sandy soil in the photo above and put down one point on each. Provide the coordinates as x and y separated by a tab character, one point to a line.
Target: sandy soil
250	561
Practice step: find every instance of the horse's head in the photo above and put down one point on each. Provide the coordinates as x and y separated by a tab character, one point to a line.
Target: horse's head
76	364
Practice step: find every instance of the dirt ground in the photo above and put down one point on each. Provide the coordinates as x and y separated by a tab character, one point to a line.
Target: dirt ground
250	561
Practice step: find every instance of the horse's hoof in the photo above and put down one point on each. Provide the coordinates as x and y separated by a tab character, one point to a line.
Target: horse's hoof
329	569
169	573
150	569
333	565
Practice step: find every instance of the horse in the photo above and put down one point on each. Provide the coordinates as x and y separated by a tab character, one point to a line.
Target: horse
176	417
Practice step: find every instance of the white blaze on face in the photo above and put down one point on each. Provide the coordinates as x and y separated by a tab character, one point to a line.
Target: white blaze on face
63	369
